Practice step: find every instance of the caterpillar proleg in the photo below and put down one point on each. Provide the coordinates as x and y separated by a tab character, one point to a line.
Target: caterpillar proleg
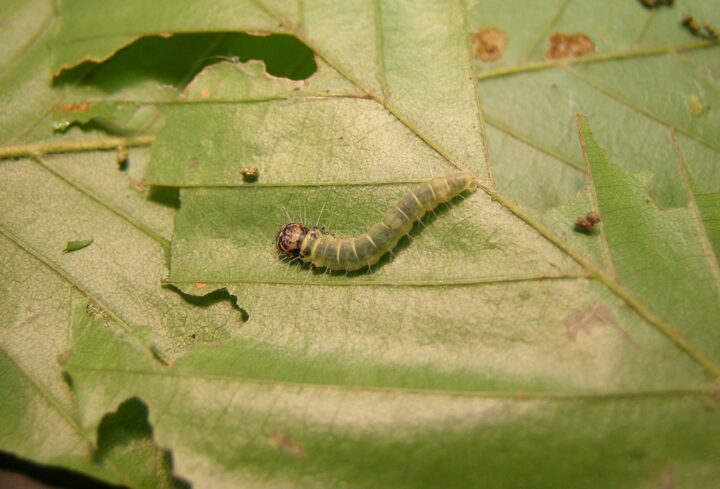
313	245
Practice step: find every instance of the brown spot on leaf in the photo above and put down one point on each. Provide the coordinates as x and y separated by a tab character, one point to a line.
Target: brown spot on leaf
489	44
139	186
70	108
204	93
192	163
569	46
288	444
594	316
200	285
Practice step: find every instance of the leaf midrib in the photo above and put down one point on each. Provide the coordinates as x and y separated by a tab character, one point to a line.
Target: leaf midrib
516	395
392	283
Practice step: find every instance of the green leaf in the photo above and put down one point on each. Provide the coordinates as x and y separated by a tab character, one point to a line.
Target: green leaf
272	432
498	347
654	252
82	195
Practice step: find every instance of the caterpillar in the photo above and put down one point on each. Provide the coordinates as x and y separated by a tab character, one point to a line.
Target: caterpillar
312	245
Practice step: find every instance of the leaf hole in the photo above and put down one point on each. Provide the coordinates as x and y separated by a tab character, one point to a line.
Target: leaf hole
174	61
210	299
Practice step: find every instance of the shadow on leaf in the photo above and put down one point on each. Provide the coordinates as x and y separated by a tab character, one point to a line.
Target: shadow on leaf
125	438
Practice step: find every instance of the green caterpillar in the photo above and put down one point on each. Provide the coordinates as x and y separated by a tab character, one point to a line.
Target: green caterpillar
311	245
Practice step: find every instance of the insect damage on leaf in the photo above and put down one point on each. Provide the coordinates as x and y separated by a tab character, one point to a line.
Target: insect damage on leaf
489	44
569	46
77	245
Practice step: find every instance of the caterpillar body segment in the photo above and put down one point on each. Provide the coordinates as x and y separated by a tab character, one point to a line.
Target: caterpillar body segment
311	245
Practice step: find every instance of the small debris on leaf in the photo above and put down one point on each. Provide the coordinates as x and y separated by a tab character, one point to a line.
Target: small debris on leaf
77	245
122	157
250	173
588	222
489	44
569	46
704	31
710	31
651	4
95	312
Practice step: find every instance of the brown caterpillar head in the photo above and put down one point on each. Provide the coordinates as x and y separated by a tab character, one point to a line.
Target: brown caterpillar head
290	238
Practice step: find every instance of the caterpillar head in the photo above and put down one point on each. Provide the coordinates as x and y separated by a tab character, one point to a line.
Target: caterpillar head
290	238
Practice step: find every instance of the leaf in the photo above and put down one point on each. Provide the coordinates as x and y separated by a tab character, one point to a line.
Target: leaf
375	435
499	347
654	252
82	196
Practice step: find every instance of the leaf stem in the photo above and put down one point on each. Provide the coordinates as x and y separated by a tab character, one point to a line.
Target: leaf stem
518	395
23	150
618	55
